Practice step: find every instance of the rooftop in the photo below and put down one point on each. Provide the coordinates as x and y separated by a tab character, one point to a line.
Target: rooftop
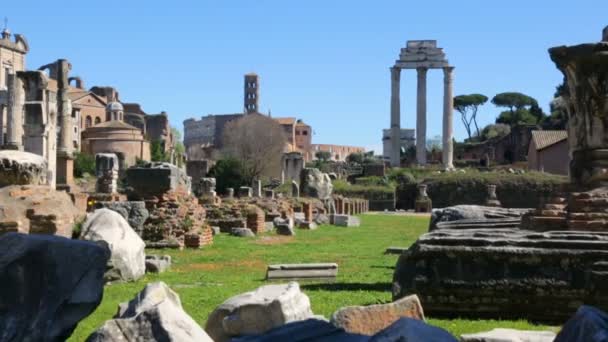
544	139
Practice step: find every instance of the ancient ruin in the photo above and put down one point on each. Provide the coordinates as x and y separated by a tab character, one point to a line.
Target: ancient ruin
422	55
546	267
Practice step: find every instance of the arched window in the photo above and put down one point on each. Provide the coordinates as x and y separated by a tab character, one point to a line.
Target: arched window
97	120
88	122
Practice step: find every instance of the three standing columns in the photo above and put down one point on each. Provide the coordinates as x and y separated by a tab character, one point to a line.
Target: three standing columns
448	114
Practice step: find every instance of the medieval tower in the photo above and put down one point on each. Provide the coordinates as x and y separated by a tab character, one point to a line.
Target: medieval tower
252	93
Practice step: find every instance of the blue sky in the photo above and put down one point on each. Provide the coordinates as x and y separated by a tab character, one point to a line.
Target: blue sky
323	61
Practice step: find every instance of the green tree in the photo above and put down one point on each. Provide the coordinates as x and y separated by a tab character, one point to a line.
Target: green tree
495	131
228	173
523	109
83	163
323	155
519	117
513	100
178	145
157	152
467	106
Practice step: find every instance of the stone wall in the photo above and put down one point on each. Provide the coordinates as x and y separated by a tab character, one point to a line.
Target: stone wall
155	179
37	210
505	273
176	216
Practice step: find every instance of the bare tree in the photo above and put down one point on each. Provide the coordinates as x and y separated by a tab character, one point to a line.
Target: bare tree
257	142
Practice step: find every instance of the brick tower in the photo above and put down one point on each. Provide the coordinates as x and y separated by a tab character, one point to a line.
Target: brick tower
252	93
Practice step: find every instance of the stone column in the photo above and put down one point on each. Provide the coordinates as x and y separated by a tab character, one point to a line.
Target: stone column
14	115
2	125
421	117
448	118
395	116
65	145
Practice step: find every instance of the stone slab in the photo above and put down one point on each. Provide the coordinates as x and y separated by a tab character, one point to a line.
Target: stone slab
302	271
346	221
509	335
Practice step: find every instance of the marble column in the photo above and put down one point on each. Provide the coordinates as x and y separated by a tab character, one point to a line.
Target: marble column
421	117
14	115
448	118
395	116
65	145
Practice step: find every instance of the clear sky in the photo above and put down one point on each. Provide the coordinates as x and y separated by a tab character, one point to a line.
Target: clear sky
324	61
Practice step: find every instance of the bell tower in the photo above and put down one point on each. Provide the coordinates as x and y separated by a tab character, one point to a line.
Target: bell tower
252	93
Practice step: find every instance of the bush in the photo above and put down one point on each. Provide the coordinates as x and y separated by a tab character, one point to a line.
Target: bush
83	163
228	173
372	180
454	188
380	197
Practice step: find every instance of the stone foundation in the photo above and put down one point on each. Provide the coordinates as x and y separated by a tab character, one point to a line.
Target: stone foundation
507	273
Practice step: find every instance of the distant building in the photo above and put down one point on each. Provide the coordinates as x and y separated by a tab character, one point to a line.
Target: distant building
508	149
338	152
408	139
548	152
203	138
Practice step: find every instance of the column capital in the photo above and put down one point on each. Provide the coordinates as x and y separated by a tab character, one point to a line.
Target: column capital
422	70
448	73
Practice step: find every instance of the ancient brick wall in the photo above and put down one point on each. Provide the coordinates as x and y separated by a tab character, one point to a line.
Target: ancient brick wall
177	216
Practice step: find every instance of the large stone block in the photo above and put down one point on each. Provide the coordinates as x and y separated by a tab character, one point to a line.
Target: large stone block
506	273
48	285
37	209
155	314
21	168
256	312
127	262
476	213
369	320
316	184
346	220
156	179
134	212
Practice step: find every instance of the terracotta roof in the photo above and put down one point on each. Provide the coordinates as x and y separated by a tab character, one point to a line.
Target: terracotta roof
285	121
115	124
544	139
75	95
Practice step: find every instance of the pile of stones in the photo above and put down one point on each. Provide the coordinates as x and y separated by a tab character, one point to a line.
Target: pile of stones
175	219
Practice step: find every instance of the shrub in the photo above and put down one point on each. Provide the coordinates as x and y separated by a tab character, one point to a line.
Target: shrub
372	180
228	173
83	163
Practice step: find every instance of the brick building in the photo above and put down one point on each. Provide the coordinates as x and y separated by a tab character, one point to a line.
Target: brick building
548	152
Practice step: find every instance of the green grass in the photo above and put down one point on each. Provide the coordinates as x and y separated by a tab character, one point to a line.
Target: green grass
207	277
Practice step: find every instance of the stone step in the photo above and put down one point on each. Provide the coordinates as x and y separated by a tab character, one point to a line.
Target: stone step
321	271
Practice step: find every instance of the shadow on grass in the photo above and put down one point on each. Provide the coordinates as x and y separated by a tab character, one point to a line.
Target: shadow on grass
348	287
385	267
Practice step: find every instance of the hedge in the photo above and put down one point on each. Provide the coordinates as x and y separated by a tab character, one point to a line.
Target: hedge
380	197
454	188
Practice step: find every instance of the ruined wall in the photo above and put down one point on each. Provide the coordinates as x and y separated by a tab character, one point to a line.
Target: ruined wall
158	129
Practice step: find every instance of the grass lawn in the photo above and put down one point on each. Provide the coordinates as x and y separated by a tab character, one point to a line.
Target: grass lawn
205	278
